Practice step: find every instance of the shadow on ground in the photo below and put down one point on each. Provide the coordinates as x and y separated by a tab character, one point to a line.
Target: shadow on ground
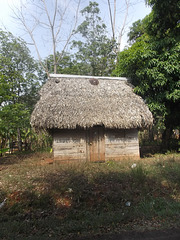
93	200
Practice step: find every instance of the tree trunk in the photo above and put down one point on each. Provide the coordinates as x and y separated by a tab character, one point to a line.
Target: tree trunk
19	139
166	139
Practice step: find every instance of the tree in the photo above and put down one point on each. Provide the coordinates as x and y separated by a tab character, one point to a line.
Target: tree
165	17
118	33
18	87
67	64
112	17
95	51
40	15
152	63
138	29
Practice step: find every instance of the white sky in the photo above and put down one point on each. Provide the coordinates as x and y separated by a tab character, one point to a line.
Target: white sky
138	10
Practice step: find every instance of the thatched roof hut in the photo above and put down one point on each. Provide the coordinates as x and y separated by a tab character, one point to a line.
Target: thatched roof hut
82	102
71	101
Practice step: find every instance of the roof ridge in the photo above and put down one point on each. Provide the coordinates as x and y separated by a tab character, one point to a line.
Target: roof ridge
87	77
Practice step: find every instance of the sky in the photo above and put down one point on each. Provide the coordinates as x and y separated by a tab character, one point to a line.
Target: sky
137	10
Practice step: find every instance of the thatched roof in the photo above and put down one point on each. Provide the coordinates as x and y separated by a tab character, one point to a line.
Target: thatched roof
81	101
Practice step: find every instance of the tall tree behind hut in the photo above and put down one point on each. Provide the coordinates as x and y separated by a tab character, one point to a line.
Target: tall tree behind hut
54	18
117	33
67	65
95	50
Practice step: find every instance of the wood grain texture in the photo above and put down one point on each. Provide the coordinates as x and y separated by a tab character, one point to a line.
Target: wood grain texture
121	143
69	145
95	144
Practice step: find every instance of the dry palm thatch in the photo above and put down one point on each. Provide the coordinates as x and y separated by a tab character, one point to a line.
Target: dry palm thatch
78	101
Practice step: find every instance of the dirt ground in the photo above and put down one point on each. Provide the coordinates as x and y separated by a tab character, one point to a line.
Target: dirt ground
171	234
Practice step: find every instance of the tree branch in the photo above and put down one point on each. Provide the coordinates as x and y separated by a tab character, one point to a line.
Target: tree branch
110	13
123	26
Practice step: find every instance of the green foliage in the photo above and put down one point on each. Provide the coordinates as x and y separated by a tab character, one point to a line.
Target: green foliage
165	17
138	29
67	64
18	87
96	53
152	64
156	77
3	150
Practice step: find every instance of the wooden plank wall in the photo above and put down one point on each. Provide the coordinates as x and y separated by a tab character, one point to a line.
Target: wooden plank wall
69	145
121	143
96	144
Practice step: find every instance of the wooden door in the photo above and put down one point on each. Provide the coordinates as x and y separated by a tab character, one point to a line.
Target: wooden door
96	144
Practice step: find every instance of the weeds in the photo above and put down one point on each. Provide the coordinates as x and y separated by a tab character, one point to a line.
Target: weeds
139	174
57	200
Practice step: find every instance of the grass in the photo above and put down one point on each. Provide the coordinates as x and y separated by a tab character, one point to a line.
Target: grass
46	200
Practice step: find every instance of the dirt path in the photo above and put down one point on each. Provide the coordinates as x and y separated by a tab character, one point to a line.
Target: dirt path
172	234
